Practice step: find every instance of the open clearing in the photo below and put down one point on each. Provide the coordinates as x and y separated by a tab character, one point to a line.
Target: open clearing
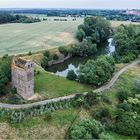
18	38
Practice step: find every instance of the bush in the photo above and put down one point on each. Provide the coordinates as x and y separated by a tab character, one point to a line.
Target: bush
137	86
80	35
71	75
30	53
128	123
128	58
63	51
46	53
123	94
106	99
55	57
86	129
125	106
90	99
101	113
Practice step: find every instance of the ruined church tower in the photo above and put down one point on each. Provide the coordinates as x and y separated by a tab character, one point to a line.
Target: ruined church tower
23	77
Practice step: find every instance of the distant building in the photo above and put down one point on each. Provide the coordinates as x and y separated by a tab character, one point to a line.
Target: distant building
23	77
133	12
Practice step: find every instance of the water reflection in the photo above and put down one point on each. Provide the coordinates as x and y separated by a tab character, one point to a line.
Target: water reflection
75	62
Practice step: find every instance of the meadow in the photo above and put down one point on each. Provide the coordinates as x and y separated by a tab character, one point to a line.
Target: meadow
21	38
18	38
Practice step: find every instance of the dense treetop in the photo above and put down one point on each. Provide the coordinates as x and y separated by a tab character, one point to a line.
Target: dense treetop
127	43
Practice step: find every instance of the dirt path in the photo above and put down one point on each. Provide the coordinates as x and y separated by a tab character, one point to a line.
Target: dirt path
110	84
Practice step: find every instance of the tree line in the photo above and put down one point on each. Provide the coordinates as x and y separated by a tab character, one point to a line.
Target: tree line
10	18
108	14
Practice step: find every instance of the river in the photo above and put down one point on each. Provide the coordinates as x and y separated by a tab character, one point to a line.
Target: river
75	62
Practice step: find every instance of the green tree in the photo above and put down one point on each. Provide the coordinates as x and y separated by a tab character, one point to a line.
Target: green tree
96	72
71	75
86	129
80	35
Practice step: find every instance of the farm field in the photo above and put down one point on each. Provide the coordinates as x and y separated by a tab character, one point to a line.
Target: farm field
21	38
18	38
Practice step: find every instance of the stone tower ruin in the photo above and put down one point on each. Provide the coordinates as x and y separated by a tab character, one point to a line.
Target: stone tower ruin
23	77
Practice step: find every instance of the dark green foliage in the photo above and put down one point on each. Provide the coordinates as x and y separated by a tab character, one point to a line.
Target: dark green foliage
30	53
10	18
46	53
97	28
106	99
84	48
71	75
128	123
125	106
5	73
101	113
63	50
126	40
86	129
97	72
55	57
80	35
90	99
123	94
45	60
137	86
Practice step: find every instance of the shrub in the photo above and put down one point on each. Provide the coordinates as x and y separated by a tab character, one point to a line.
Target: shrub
71	75
125	106
100	113
127	123
106	99
123	94
128	58
44	62
55	57
80	35
137	86
86	129
46	53
90	99
30	53
63	51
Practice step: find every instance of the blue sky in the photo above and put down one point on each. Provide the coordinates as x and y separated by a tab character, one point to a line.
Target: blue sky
95	4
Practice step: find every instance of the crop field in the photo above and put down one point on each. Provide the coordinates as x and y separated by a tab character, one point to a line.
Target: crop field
21	38
18	38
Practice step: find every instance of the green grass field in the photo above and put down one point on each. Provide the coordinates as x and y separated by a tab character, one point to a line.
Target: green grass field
18	38
51	86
